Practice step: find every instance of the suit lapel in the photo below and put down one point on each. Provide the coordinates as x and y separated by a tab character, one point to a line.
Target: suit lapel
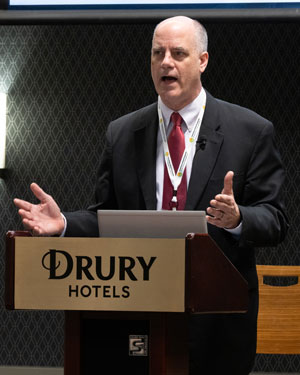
208	146
145	144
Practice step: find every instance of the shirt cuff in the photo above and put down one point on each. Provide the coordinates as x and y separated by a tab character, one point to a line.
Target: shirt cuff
65	227
234	231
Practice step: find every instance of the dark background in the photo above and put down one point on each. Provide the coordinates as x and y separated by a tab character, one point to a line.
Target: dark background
66	82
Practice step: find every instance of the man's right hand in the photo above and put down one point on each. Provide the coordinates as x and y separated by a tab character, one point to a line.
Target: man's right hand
44	219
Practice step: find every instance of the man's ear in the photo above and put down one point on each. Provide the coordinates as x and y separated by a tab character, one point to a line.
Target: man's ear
203	61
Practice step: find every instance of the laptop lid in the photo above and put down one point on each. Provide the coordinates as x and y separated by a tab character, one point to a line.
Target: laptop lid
150	224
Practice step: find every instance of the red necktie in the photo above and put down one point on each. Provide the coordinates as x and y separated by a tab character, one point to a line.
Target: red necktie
176	143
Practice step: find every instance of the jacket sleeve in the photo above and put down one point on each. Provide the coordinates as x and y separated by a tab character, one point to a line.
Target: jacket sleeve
263	212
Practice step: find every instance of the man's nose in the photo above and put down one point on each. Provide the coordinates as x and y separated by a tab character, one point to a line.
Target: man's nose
167	61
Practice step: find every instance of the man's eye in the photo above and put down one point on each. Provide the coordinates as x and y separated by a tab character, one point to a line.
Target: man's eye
179	53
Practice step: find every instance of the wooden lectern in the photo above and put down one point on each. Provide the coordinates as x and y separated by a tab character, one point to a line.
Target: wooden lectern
105	285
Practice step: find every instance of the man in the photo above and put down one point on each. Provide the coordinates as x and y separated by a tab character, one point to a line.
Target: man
232	170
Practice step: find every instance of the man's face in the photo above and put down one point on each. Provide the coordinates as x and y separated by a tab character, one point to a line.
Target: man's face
176	65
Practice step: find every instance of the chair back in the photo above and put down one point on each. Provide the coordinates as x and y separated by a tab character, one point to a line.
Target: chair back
278	330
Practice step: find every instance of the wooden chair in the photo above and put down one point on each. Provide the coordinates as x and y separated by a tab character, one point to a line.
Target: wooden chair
279	312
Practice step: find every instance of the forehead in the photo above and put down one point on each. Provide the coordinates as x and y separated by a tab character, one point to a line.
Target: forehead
174	35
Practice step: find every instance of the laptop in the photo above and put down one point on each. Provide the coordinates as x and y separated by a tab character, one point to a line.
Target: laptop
150	224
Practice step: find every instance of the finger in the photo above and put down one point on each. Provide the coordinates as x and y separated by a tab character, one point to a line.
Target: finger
24	214
28	224
29	215
36	231
218	211
228	183
214	221
221	201
225	206
20	203
215	213
38	192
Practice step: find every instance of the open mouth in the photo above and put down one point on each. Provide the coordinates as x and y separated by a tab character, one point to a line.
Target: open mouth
168	79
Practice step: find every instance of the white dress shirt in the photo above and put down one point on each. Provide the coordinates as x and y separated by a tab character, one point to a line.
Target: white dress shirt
189	115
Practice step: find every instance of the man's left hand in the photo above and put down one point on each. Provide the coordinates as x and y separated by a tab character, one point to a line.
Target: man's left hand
223	211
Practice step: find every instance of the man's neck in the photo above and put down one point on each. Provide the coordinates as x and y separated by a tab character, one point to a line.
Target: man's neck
177	106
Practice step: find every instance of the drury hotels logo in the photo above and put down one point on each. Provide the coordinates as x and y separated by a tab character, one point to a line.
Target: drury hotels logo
110	269
138	345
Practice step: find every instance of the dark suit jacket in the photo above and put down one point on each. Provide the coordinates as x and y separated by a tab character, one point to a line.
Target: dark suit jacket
235	139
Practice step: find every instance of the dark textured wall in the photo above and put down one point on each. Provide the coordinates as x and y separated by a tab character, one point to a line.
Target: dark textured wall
66	82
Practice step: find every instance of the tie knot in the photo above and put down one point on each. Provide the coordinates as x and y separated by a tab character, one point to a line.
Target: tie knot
176	119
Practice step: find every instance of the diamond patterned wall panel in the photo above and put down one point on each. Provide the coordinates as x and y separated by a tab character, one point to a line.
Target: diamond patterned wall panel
66	82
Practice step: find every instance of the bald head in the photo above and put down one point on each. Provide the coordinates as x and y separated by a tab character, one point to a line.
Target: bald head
200	34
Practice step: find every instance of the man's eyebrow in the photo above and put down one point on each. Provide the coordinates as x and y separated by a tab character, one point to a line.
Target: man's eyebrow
181	49
158	48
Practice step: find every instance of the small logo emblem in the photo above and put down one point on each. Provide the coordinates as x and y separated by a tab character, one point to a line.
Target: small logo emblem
138	345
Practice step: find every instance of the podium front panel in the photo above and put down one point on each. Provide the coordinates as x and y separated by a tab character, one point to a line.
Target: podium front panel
103	274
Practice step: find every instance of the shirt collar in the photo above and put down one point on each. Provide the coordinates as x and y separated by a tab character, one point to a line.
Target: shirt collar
189	113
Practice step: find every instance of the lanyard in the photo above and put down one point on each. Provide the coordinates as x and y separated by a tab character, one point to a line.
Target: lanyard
176	177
